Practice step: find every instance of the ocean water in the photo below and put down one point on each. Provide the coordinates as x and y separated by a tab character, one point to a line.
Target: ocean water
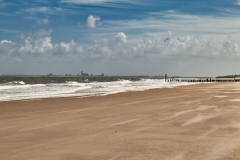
18	90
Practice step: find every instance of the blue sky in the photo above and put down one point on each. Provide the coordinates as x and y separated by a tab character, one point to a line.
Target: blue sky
126	37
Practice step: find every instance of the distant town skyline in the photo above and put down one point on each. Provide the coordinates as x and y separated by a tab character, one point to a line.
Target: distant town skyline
125	37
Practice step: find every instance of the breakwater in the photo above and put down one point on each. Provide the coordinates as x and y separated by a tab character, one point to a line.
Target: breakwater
202	79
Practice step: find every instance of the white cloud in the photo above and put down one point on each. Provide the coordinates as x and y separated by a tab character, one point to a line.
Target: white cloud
86	2
231	49
109	3
69	49
6	46
43	21
95	1
44	10
181	47
121	38
180	24
108	47
39	43
237	2
38	9
91	21
176	50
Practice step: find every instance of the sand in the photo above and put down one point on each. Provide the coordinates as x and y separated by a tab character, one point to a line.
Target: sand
184	123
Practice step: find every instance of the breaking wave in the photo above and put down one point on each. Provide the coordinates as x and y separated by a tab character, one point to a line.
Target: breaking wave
18	90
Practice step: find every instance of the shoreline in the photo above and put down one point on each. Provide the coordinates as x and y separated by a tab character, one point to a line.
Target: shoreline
183	122
69	95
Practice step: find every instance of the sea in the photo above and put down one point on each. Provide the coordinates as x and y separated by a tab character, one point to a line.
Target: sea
20	90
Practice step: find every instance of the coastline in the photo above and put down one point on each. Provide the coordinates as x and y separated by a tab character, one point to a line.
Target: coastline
72	89
184	122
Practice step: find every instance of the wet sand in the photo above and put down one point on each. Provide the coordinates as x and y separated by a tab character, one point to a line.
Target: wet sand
183	123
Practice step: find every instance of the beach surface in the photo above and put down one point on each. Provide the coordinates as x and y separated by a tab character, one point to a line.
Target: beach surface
200	121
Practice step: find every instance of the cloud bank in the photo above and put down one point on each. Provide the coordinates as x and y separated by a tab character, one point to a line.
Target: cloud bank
41	44
117	55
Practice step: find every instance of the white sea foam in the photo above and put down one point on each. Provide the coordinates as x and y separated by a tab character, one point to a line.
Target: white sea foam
22	91
16	82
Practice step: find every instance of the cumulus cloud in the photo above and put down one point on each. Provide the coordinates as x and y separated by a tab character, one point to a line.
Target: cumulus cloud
108	47
39	49
187	24
7	47
181	47
121	38
115	47
91	21
39	43
230	49
117	40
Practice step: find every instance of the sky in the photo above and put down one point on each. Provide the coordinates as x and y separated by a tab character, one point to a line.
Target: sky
124	37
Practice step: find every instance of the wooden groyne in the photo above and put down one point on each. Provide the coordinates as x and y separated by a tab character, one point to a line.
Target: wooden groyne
195	80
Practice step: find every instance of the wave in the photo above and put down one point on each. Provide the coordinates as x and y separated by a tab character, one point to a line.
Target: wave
15	83
73	88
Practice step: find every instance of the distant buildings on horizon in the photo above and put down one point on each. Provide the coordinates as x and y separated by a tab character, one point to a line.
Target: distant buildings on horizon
82	74
79	75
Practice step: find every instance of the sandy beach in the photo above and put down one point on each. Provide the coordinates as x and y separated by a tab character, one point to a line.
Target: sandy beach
184	123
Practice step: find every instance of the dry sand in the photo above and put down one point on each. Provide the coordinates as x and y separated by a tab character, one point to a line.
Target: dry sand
188	122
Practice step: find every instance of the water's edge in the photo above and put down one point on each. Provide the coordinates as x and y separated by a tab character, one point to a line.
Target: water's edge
18	90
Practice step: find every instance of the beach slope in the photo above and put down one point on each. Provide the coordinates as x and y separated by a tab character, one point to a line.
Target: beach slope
188	122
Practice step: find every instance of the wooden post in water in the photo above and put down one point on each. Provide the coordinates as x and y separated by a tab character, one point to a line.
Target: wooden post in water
165	77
